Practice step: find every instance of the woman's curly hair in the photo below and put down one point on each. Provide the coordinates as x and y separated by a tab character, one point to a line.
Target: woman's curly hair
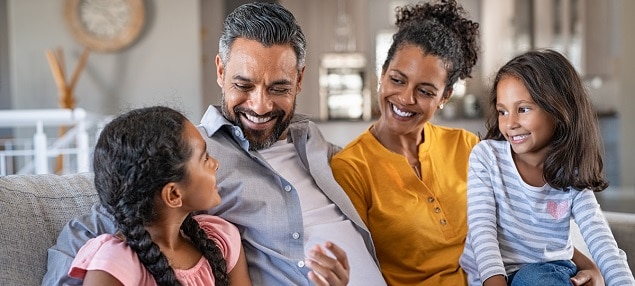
136	155
441	29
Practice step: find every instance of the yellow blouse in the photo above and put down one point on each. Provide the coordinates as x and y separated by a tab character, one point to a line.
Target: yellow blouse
418	226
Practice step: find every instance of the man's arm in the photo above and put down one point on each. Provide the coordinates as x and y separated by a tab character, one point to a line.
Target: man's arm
72	237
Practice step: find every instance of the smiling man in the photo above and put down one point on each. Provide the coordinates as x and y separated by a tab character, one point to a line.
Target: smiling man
297	225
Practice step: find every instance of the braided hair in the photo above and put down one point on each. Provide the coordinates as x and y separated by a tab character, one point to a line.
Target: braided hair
441	29
137	154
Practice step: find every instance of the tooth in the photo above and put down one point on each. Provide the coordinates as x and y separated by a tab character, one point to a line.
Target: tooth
257	119
401	113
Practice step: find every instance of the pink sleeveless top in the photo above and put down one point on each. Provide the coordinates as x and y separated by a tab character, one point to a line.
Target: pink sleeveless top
112	255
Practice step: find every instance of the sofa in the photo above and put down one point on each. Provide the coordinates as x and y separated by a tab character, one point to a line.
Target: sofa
34	208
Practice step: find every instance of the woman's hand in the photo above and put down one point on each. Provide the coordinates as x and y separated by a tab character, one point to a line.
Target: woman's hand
326	270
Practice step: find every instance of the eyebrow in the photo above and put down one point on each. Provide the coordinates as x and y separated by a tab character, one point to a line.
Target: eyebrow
275	82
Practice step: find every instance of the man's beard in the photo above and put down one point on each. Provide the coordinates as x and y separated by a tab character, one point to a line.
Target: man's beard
259	139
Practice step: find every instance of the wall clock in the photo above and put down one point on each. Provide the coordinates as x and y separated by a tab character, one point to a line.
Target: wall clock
105	25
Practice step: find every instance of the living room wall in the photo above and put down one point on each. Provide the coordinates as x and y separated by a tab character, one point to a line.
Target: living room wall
161	67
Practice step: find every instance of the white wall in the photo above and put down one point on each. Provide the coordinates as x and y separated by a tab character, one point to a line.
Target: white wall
162	67
626	106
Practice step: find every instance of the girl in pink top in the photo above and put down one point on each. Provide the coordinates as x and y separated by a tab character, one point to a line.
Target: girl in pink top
152	171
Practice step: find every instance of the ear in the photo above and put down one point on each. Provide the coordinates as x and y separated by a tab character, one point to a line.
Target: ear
220	69
171	195
300	77
447	96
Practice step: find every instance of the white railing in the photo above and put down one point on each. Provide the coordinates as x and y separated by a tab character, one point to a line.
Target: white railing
24	156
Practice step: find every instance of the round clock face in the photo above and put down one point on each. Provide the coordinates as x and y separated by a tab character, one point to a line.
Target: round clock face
105	19
105	25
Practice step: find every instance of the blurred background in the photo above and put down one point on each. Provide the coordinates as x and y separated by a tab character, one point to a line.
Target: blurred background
171	62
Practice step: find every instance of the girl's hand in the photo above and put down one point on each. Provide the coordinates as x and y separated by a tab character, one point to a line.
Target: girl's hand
326	270
588	272
588	278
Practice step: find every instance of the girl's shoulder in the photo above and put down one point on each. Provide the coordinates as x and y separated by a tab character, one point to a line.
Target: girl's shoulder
107	242
224	234
101	252
494	150
212	224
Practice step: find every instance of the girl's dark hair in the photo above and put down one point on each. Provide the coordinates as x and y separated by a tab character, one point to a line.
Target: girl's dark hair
575	158
441	29
137	154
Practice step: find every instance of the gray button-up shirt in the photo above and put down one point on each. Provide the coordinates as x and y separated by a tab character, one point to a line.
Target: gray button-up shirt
261	203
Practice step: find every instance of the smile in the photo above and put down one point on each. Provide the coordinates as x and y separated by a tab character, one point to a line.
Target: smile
518	138
401	112
258	119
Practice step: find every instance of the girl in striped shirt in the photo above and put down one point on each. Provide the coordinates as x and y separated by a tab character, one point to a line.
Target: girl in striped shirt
537	169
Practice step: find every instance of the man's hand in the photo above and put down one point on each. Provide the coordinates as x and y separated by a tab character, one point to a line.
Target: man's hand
326	270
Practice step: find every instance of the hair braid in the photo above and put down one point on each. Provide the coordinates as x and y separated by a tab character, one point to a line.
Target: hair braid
137	237
208	247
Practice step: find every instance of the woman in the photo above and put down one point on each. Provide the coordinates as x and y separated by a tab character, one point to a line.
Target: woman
406	176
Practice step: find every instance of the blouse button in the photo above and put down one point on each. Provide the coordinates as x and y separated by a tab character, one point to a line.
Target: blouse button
437	210
431	199
300	263
295	235
287	188
443	222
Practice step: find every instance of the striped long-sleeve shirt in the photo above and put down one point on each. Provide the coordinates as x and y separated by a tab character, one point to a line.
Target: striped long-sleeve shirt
511	223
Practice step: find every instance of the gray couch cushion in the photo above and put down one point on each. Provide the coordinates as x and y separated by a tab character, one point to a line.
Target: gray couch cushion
34	209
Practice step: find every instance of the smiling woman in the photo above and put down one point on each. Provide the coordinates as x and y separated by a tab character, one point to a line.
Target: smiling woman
105	25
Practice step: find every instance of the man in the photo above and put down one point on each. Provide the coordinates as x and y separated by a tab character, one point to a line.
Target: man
297	224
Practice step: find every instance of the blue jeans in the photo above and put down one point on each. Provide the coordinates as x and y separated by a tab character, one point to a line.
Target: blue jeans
544	273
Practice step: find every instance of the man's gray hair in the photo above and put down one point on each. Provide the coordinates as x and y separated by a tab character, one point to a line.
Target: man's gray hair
268	23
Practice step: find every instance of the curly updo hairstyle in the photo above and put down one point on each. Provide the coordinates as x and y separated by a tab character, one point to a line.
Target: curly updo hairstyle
438	28
136	155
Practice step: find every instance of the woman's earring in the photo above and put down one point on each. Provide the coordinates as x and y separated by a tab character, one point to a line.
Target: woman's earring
441	106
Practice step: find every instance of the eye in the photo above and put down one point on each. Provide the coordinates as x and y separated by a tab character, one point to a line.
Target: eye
502	112
523	109
396	80
425	92
242	86
279	90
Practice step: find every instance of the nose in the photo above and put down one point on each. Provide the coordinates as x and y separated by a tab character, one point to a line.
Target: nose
512	120
216	164
259	101
407	97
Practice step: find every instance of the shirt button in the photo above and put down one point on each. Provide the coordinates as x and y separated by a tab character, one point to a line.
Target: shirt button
431	199
287	188
237	132
437	210
443	222
300	263
295	235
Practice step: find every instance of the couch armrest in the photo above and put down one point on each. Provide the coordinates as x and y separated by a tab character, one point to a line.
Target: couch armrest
33	210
